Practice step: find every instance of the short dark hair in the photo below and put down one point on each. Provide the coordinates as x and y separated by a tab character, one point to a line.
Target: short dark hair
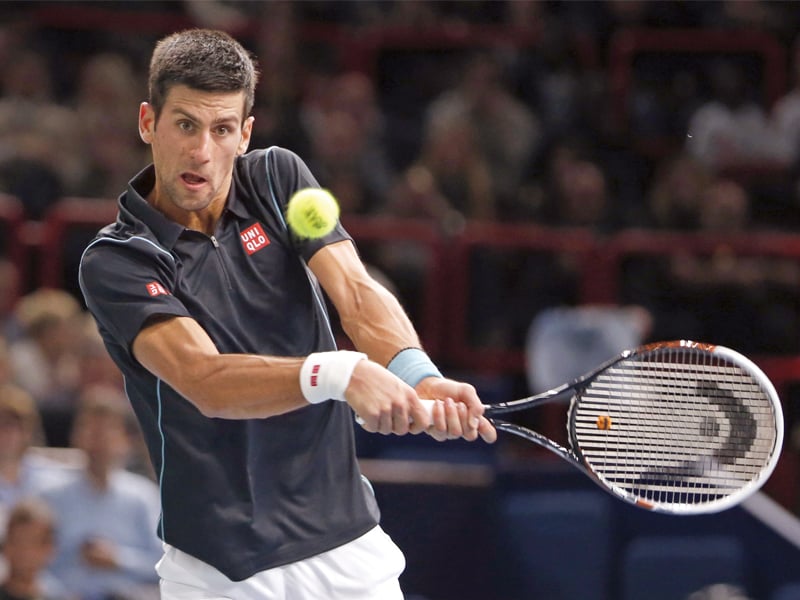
32	510
202	59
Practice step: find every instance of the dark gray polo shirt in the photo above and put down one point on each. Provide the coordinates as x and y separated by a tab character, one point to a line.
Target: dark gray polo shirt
241	495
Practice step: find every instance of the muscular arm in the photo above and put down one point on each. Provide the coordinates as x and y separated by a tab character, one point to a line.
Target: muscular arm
241	386
179	351
376	323
370	315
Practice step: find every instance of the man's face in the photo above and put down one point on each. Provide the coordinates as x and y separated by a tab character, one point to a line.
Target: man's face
103	438
15	436
194	143
29	548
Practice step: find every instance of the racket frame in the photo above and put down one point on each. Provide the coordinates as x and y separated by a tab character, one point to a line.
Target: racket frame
574	455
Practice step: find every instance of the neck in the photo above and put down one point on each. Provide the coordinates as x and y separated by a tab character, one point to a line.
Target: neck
9	470
99	476
203	219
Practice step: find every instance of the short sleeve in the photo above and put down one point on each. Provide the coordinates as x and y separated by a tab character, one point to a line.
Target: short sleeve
286	174
125	283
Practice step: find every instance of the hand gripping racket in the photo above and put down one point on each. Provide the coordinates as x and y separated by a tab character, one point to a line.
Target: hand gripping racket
675	427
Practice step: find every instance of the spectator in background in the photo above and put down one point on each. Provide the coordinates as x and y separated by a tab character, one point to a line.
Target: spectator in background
550	79
27	550
10	289
97	370
583	199
506	130
44	361
279	95
746	302
107	83
38	136
576	192
573	193
344	126
107	516
786	112
731	129
95	366
676	193
448	183
5	362
567	186
786	129
451	179
565	342
22	473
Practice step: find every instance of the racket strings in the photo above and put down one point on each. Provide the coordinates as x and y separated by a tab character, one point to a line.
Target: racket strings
679	427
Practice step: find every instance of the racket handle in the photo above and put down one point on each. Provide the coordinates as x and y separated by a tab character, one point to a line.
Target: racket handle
426	404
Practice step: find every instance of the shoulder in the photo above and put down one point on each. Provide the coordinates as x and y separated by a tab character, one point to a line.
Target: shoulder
110	254
111	242
64	490
43	466
271	176
270	164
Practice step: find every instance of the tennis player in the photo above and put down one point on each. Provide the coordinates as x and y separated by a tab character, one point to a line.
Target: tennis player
214	312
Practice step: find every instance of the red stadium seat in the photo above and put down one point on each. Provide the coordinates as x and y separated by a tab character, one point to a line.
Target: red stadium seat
67	227
12	227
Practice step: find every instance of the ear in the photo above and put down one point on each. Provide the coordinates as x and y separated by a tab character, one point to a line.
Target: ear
147	122
247	131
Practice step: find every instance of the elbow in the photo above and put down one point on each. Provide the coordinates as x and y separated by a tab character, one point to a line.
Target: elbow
197	386
202	399
208	407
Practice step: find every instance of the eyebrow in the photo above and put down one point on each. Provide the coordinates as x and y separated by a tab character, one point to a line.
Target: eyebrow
223	121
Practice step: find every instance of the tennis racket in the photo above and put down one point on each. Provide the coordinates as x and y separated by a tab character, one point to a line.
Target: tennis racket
675	427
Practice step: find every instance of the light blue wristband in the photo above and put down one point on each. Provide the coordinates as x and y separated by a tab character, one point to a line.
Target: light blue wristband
412	365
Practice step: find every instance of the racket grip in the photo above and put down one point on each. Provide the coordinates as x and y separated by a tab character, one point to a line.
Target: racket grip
426	404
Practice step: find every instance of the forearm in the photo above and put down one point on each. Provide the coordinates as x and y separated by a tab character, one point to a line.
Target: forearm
376	322
233	386
370	315
242	386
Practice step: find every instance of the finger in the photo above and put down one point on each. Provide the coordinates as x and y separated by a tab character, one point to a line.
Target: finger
400	424
487	431
454	416
421	418
438	427
469	429
368	424
385	425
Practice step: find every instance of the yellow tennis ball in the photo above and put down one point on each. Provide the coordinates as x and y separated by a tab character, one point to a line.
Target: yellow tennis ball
312	212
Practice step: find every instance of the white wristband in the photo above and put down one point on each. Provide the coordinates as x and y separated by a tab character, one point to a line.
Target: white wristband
326	375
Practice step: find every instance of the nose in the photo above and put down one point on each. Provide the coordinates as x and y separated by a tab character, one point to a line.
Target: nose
201	150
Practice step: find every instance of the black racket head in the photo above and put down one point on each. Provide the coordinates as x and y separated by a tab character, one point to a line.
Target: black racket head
678	427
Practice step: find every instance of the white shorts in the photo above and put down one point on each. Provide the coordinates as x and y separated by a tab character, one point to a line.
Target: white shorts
365	569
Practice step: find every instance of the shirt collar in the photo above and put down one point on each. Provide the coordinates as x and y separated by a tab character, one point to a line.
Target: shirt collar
235	205
166	230
133	200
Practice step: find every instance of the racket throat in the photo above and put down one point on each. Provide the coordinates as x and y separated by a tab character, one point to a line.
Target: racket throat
537	438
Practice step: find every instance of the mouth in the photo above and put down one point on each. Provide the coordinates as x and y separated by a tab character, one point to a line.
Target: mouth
193	180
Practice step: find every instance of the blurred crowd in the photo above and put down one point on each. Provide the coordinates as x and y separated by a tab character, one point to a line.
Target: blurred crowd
524	128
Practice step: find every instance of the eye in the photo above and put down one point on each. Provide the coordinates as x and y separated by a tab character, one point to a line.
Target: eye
223	130
185	126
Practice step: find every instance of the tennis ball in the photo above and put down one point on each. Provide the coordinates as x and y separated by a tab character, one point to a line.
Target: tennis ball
312	212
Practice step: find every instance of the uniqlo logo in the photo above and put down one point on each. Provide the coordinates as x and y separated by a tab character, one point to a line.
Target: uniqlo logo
314	375
254	239
156	289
